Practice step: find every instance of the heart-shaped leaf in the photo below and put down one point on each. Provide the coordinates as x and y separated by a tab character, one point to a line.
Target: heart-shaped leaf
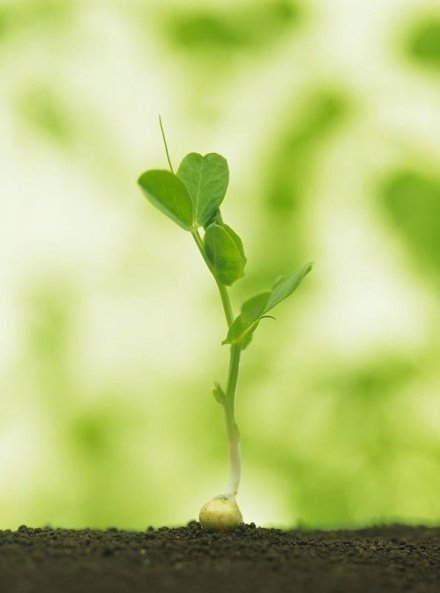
168	193
206	179
225	251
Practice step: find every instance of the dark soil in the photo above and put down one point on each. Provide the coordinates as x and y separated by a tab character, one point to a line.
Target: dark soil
191	560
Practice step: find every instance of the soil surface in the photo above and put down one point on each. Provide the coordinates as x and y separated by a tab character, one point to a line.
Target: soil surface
191	560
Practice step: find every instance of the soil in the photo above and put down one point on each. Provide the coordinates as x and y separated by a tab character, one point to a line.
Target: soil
191	560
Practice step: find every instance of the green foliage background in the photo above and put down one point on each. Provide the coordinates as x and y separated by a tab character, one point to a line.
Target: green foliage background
110	326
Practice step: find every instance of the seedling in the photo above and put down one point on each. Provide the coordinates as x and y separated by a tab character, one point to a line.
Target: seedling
191	198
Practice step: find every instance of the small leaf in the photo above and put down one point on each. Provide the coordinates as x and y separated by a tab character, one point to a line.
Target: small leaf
241	332
225	251
216	217
206	179
237	240
219	394
247	322
285	285
168	193
254	309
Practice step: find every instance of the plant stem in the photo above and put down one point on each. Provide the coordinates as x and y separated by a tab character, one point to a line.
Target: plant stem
234	366
221	287
231	424
234	360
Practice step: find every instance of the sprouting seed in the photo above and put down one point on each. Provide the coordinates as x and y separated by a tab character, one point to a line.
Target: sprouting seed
192	198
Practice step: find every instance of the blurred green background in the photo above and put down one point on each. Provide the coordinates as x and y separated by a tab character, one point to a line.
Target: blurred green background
110	326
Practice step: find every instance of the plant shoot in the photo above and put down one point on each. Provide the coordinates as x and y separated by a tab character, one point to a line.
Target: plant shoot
192	198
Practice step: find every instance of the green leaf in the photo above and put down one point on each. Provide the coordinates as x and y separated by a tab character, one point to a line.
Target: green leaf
285	285
255	307
219	394
237	240
247	322
206	179
240	332
216	217
225	251
254	310
168	193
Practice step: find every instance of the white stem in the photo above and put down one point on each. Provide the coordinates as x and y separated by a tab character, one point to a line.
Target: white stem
235	465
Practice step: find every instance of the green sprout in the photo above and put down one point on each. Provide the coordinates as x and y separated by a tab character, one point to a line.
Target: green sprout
192	197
